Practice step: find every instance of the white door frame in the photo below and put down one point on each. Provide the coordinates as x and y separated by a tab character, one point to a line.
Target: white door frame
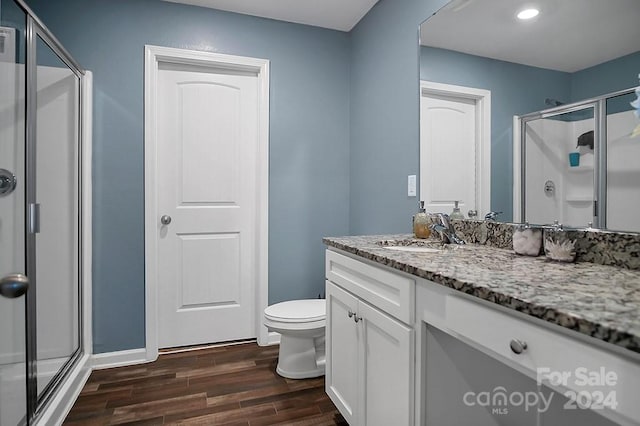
483	153
154	55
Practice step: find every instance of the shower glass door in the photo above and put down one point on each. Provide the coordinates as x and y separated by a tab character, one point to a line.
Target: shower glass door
558	164
623	169
40	226
13	367
57	101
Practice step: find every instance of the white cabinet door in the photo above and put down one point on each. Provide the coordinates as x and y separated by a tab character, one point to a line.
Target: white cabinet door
370	369
386	369
342	343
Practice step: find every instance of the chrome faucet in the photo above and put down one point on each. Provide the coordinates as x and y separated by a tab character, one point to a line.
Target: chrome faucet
491	215
445	230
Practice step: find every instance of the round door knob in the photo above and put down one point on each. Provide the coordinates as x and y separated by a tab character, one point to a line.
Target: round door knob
165	219
518	346
14	285
8	182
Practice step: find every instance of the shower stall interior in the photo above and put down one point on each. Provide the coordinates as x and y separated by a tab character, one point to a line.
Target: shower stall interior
41	128
579	164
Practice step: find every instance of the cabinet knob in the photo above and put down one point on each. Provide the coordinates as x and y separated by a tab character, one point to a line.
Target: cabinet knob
351	314
356	318
518	346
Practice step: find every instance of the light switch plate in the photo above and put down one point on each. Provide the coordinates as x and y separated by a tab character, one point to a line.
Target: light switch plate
411	186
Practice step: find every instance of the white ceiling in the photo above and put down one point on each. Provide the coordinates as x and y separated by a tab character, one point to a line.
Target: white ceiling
567	35
340	15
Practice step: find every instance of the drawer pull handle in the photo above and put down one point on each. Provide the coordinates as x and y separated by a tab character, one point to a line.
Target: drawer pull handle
518	346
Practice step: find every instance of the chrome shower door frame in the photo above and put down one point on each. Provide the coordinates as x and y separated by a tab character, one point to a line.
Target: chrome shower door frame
36	29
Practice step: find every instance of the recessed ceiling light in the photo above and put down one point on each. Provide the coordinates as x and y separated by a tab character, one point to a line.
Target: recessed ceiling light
528	14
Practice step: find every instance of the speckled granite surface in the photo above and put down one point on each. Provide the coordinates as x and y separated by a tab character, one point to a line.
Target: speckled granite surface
597	300
602	247
495	234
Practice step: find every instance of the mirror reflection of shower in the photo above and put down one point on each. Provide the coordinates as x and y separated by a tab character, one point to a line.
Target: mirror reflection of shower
548	143
567	167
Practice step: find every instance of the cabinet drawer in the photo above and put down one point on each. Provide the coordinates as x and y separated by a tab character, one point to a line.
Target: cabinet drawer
392	293
549	352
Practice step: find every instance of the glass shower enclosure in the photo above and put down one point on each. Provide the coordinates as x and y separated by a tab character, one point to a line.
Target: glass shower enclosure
577	164
40	214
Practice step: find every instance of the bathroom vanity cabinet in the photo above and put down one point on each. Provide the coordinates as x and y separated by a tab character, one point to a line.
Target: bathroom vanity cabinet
520	351
405	350
369	342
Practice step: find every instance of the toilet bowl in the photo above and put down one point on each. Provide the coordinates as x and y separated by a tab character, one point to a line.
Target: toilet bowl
301	324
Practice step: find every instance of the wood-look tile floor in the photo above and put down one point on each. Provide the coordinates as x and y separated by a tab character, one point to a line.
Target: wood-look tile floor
230	385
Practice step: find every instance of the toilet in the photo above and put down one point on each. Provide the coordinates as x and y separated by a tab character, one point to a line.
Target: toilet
301	324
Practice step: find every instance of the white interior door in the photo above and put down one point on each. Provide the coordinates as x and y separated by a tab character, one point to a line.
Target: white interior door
455	147
448	129
207	149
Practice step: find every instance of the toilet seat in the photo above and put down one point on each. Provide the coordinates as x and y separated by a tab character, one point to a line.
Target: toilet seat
297	311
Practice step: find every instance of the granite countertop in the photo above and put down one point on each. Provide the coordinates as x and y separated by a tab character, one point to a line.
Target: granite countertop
597	300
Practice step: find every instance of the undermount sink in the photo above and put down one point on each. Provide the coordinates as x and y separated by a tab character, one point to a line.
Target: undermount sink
413	249
413	245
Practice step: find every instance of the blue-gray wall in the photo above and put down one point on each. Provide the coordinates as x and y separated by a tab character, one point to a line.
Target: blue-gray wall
515	89
385	114
309	140
619	74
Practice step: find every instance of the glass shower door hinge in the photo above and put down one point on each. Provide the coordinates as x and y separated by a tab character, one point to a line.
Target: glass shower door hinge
34	218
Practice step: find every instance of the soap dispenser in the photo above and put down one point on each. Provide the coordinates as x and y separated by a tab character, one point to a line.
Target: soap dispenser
456	214
421	223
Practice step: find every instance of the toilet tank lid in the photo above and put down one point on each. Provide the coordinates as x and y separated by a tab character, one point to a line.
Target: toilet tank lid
297	310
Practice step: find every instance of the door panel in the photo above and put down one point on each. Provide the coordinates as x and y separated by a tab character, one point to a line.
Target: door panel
388	397
13	382
448	152
209	171
207	182
203	281
623	173
57	193
342	345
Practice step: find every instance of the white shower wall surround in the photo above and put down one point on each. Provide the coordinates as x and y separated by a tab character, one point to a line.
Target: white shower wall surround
549	142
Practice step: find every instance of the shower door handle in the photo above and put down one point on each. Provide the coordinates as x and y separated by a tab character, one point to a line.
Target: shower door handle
8	182
14	285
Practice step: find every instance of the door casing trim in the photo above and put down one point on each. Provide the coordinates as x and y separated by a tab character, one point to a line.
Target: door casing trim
154	55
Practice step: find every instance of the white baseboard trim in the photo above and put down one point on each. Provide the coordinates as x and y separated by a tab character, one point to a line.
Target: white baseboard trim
274	338
119	359
58	408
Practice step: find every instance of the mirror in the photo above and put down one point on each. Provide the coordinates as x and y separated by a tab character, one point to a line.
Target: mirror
569	53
